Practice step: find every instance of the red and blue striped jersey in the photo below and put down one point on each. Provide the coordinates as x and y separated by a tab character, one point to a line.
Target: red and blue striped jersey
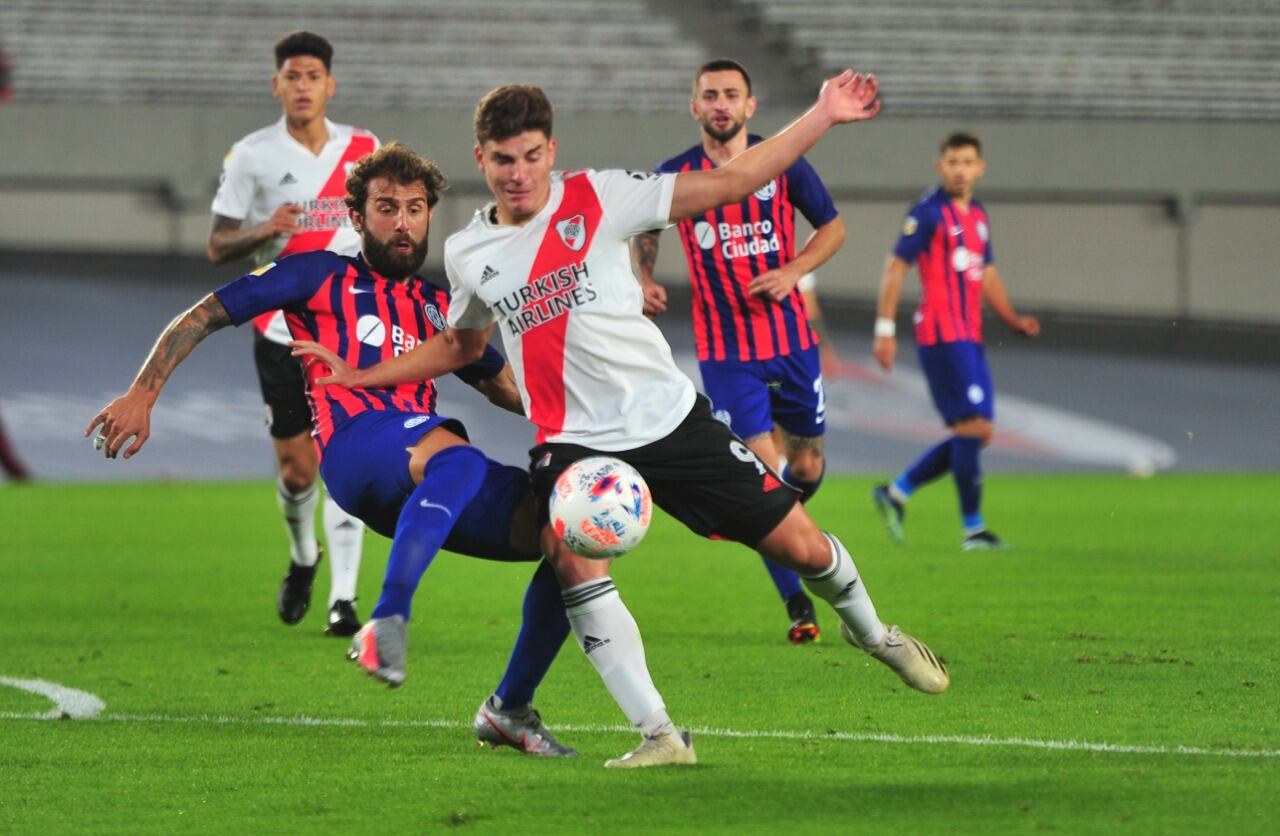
728	247
951	249
341	303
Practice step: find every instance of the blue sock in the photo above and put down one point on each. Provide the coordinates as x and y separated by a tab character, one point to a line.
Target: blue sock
807	489
967	471
452	478
542	632
935	462
787	582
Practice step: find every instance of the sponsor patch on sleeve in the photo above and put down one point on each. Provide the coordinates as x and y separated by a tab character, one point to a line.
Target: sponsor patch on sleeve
264	268
909	226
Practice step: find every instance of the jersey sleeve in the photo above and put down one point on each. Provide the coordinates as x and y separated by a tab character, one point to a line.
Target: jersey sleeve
990	256
671	166
466	309
235	185
917	229
483	369
635	201
280	284
809	194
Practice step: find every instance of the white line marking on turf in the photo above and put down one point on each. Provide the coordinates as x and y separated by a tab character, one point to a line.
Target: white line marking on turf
853	737
70	703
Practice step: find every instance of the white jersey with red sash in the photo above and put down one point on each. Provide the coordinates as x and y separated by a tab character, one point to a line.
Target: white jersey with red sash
592	369
269	168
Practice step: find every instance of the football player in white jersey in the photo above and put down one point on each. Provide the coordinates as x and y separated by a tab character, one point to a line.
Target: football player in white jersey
281	192
548	264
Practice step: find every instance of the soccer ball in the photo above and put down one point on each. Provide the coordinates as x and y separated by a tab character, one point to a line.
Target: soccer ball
601	507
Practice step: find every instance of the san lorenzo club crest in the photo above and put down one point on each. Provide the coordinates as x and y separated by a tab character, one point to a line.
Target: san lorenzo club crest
573	232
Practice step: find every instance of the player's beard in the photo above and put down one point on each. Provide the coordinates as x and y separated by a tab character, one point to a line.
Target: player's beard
726	134
389	264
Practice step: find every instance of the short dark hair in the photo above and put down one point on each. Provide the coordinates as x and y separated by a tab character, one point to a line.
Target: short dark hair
399	164
961	139
511	110
304	43
721	65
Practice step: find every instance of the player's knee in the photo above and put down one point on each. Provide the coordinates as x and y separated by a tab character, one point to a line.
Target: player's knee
979	428
798	544
296	477
571	569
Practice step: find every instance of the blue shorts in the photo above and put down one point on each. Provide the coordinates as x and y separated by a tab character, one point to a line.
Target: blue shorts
959	380
750	396
366	470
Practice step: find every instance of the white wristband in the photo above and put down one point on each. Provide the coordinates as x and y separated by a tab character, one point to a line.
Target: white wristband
885	327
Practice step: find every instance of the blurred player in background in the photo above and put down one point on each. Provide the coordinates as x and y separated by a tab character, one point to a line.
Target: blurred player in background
547	263
948	237
281	193
9	461
385	453
757	352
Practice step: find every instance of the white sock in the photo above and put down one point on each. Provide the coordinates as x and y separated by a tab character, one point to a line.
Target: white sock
345	536
841	587
609	636
299	510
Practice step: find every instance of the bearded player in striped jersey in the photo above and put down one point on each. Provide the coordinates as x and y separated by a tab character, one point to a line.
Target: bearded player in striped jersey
281	193
386	456
757	352
547	263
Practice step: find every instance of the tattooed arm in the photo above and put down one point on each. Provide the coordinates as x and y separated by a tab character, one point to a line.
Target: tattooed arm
644	255
129	416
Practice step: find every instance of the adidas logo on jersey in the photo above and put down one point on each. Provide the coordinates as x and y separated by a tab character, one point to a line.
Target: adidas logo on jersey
488	273
288	179
590	643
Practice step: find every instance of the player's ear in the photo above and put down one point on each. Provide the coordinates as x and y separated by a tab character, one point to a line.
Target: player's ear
330	85
479	154
551	152
751	106
275	84
357	221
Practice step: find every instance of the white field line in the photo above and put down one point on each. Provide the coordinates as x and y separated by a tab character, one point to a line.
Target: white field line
779	734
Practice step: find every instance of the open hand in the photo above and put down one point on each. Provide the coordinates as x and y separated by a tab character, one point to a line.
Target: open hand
850	97
776	284
128	416
884	349
1027	326
310	352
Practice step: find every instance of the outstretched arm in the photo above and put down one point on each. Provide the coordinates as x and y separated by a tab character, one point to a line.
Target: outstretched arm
885	347
129	416
848	97
447	351
997	297
644	254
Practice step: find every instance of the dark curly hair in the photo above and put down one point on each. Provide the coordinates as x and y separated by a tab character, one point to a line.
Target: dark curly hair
399	164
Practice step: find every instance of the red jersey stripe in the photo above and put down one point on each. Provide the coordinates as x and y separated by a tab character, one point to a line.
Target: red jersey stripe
542	346
335	187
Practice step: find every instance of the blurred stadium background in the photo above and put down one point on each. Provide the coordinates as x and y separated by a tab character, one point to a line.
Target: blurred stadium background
1133	186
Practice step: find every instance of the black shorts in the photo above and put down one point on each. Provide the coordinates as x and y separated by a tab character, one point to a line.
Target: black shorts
284	391
701	474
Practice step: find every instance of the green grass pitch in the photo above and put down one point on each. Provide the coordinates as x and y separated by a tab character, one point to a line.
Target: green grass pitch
1139	614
